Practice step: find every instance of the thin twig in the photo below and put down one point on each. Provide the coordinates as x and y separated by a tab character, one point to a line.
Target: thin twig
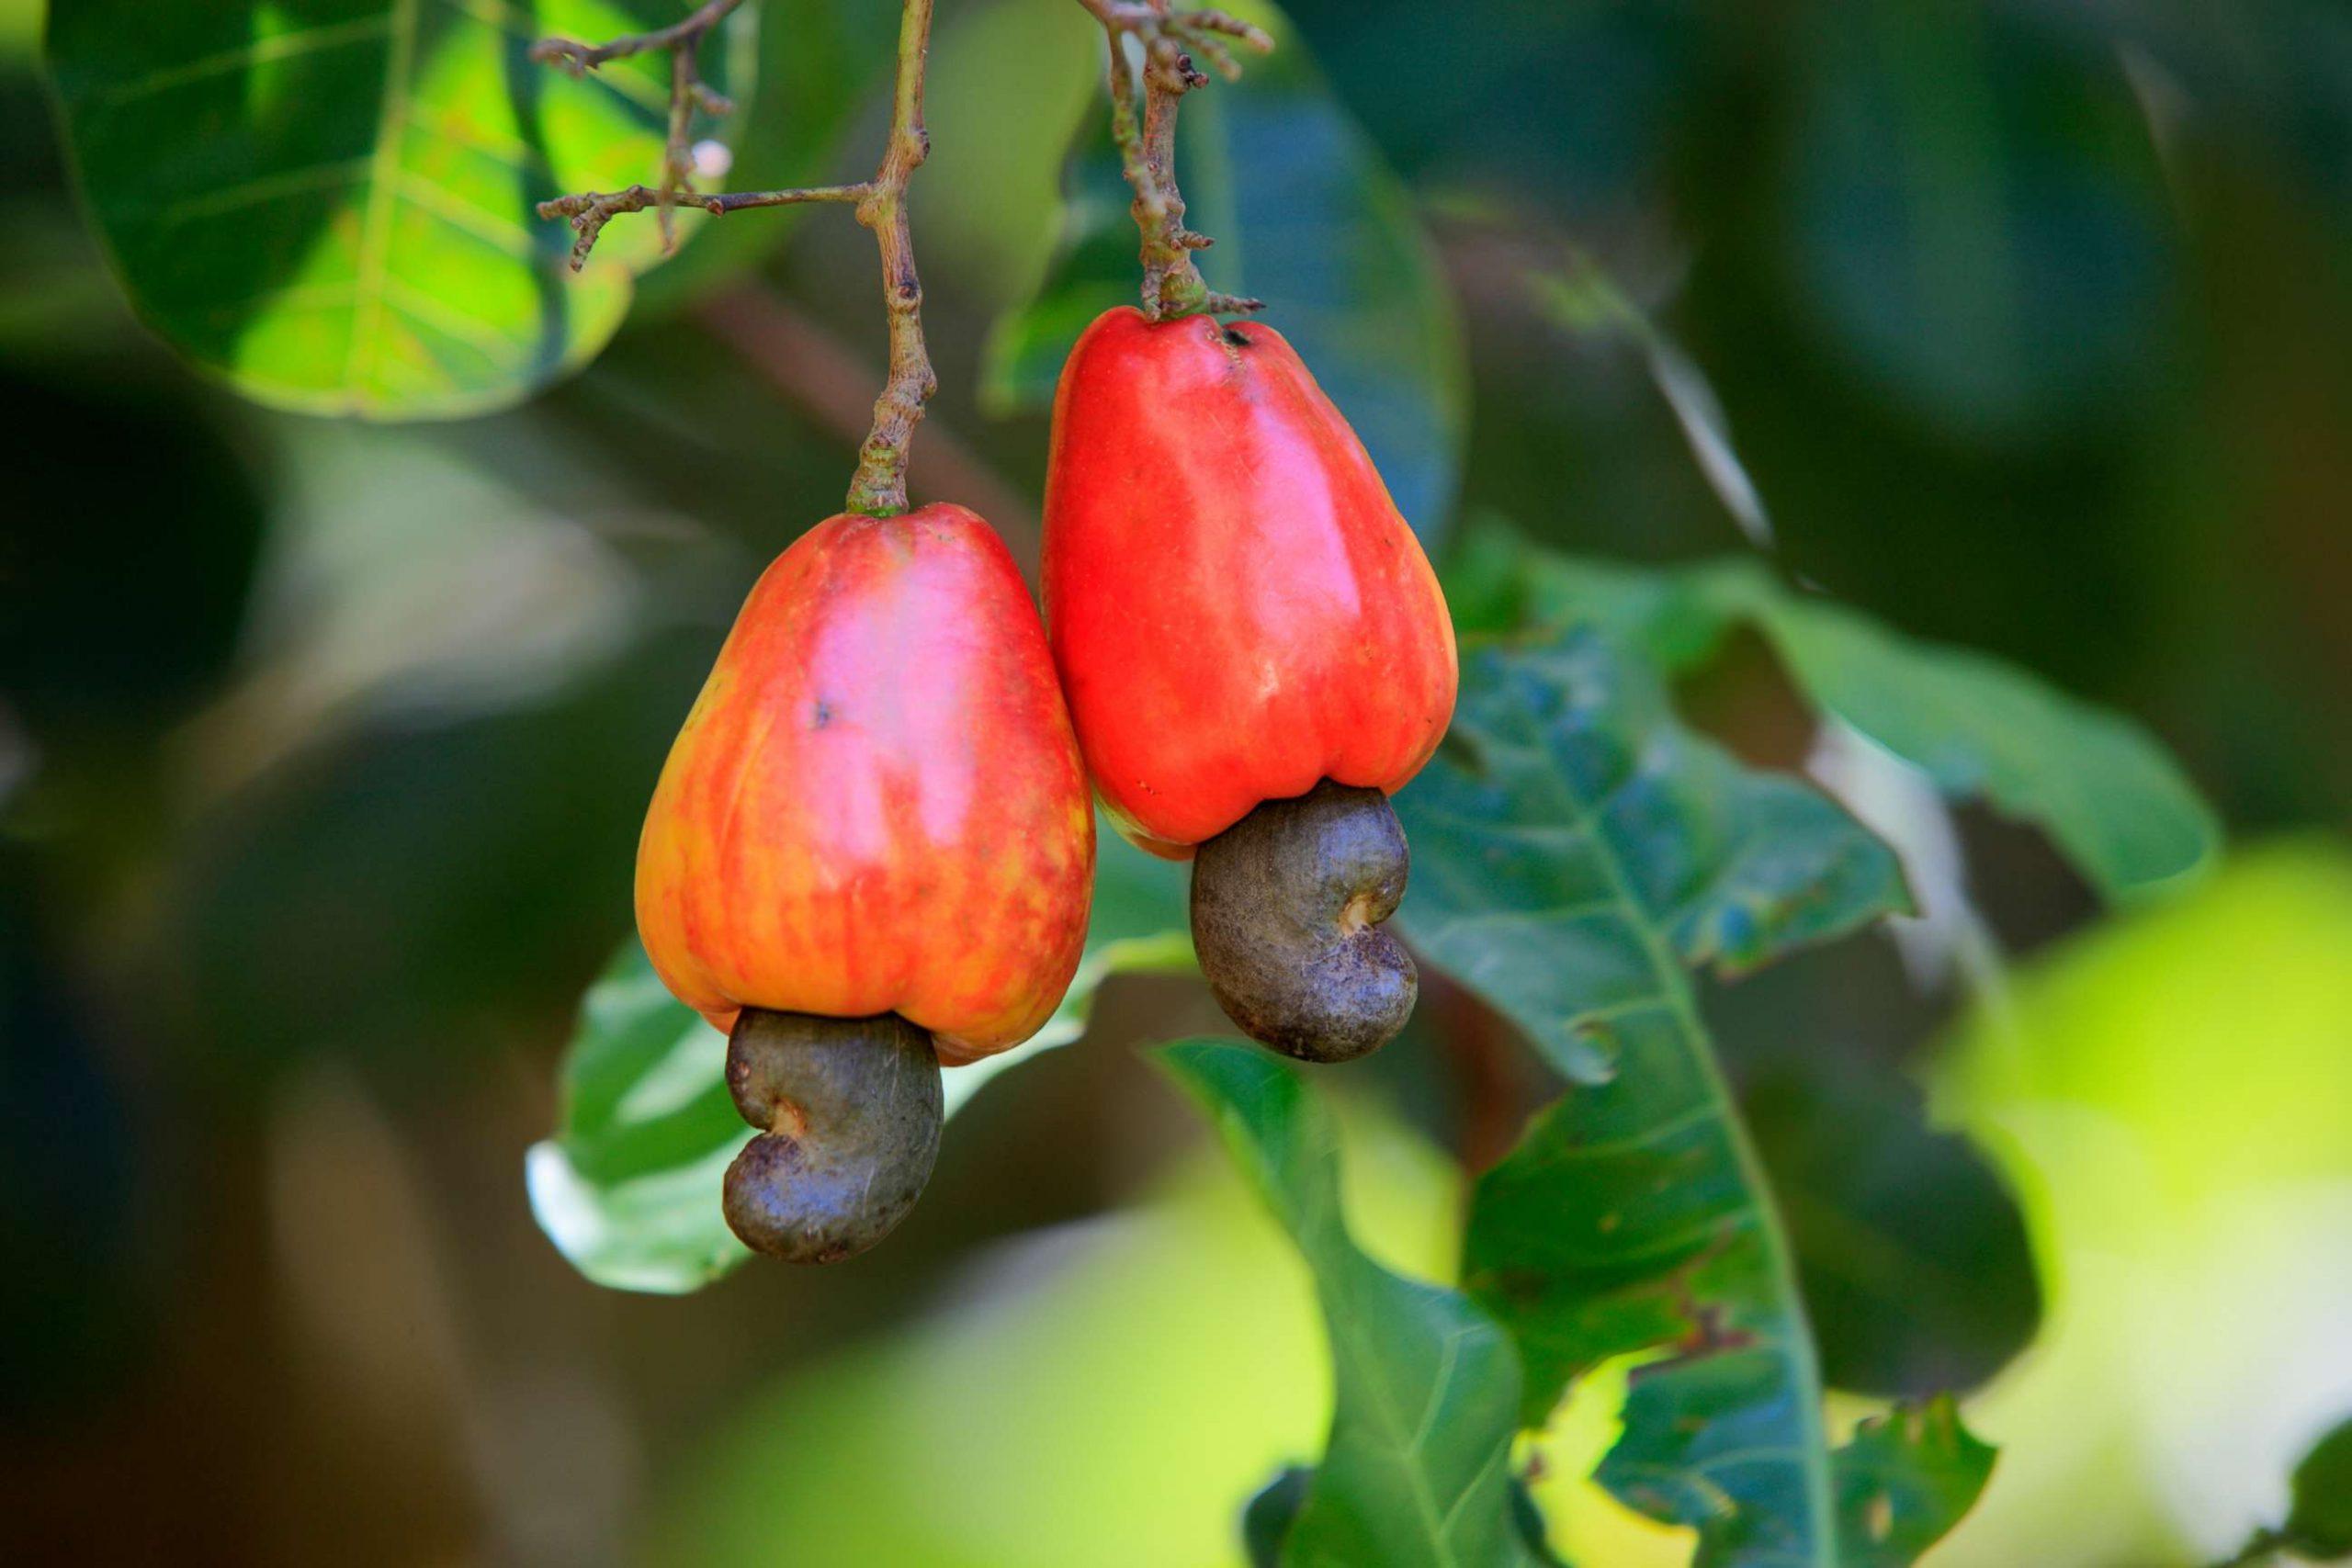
879	486
589	213
688	94
577	57
1166	39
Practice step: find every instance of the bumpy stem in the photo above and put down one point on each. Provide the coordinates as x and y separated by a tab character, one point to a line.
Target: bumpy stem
879	486
590	211
683	41
1166	39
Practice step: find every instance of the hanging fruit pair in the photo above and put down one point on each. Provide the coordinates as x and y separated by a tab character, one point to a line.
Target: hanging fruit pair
870	854
1256	654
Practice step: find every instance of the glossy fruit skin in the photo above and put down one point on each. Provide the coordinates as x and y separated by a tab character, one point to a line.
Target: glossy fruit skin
1237	607
876	803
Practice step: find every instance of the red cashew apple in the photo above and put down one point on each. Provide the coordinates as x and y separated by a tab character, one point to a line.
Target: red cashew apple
1256	654
871	844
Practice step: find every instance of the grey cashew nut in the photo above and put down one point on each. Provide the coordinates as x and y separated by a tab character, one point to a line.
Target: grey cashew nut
1286	911
849	1111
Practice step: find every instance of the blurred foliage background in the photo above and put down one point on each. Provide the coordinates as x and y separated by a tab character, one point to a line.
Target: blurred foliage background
2023	324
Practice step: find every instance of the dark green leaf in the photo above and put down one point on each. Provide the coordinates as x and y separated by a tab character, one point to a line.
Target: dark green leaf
1952	177
2118	807
1913	1255
1319	229
1575	851
1418	1469
628	1188
1574	848
1267	1518
2108	795
331	205
1527	1518
2321	1520
1903	1481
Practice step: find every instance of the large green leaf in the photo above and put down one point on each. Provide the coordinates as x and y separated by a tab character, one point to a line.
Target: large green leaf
330	202
628	1189
2108	795
1576	852
1574	848
1418	1468
1306	217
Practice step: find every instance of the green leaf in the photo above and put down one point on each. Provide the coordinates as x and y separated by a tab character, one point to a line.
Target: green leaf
1903	1481
1267	1518
2320	1524
1575	850
628	1189
1319	228
331	205
1913	1255
1574	846
2108	795
1418	1468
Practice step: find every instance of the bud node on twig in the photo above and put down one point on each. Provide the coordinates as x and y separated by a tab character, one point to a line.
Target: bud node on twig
1166	39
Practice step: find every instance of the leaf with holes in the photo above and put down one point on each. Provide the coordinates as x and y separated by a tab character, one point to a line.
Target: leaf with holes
1418	1470
1576	851
1903	1480
330	203
628	1188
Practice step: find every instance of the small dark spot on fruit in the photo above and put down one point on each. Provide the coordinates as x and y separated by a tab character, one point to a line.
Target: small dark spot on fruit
820	715
1236	338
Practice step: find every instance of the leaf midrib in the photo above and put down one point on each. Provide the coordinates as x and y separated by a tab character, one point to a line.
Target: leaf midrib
1329	1225
1667	970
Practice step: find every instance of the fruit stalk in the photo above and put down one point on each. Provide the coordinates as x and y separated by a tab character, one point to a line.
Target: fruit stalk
879	487
1172	285
1255	655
